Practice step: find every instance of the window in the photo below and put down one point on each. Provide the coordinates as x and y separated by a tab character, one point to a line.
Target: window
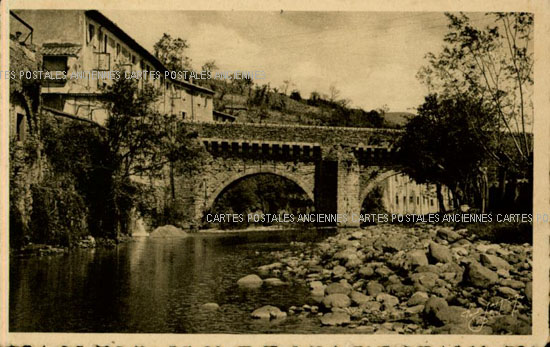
103	61
431	202
117	49
133	59
21	127
91	33
418	200
404	200
411	199
397	199
105	43
183	114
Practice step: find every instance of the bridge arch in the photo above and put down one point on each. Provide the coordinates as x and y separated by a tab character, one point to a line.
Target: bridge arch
211	199
375	182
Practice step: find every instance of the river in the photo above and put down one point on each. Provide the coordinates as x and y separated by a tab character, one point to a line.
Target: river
157	285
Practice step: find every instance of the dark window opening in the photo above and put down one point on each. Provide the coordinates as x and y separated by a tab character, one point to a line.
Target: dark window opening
183	114
55	63
91	33
21	127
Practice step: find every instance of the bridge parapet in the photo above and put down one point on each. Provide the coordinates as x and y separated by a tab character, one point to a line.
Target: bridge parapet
294	133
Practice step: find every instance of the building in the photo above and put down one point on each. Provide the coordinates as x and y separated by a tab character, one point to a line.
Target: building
88	45
403	195
23	98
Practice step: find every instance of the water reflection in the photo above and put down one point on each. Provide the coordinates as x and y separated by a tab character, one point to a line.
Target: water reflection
156	285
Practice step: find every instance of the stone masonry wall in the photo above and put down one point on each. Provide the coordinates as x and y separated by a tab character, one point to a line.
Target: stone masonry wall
326	136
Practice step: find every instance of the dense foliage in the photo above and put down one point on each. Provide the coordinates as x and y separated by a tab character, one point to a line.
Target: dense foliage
262	194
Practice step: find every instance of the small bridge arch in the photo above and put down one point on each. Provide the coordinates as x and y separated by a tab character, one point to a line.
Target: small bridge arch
375	182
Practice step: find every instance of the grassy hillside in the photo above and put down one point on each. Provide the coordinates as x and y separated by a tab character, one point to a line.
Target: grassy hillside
263	104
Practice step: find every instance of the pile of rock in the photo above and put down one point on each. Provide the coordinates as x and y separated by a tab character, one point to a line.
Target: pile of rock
426	279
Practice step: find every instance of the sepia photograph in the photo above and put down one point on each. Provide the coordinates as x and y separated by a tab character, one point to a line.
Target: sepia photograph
271	172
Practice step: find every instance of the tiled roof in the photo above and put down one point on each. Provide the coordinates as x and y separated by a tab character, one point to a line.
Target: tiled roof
223	114
61	49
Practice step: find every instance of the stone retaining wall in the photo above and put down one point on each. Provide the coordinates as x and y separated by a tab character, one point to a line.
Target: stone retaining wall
327	136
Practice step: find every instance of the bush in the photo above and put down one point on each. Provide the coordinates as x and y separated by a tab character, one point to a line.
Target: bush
58	213
512	233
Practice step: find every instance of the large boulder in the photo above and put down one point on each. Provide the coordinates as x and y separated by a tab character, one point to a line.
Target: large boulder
507	292
250	281
335	318
440	253
210	306
448	235
417	257
418	298
387	299
438	312
359	298
366	271
425	279
336	300
395	244
511	324
339	271
373	288
452	273
512	283
268	312
346	254
433	306
494	262
480	276
338	288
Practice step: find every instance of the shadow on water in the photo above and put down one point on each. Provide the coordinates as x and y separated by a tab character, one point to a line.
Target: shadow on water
158	285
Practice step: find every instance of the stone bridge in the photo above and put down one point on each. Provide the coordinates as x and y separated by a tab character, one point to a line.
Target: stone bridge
335	166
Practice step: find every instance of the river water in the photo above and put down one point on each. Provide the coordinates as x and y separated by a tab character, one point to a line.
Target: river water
157	285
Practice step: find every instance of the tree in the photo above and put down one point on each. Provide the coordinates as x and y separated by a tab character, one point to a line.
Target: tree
210	66
286	85
493	65
171	52
334	93
134	131
440	147
295	95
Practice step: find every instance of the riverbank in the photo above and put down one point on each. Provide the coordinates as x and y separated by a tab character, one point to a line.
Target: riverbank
421	279
39	249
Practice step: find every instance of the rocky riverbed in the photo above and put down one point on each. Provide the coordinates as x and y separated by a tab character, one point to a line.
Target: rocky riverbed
425	279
